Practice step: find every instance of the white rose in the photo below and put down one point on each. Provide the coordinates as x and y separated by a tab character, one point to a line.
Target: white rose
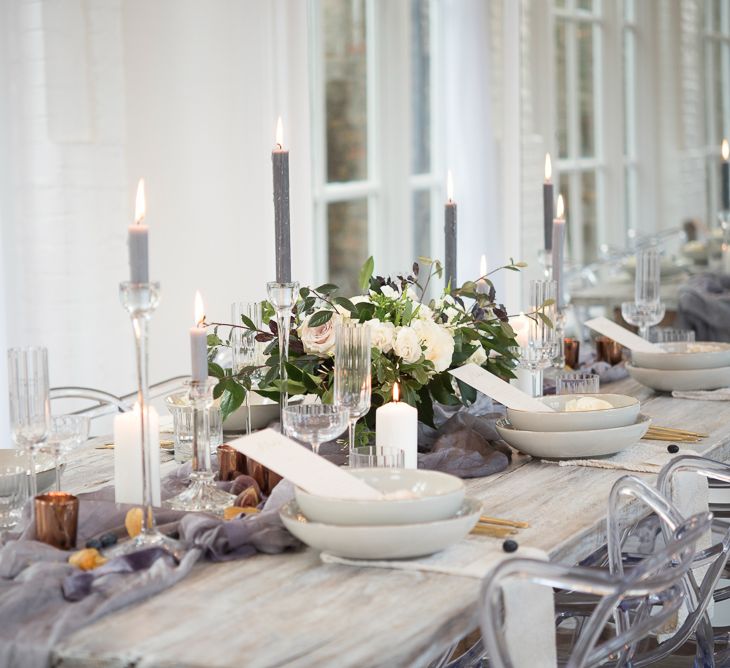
424	312
382	335
390	292
319	340
438	341
407	345
412	295
359	299
478	356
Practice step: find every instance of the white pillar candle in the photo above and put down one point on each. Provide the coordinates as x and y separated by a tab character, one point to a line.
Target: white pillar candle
139	241
521	326
396	426
128	456
199	343
522	380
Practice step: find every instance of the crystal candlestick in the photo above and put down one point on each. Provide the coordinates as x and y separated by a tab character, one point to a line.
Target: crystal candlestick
140	300
202	495
283	296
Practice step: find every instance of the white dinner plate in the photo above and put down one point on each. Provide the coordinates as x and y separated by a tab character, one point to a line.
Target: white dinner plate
573	444
437	496
624	412
401	541
684	380
685	356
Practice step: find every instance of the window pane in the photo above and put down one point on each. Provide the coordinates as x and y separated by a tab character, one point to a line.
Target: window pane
421	86
562	91
585	4
347	229
345	67
422	223
719	87
560	4
585	88
629	77
589	222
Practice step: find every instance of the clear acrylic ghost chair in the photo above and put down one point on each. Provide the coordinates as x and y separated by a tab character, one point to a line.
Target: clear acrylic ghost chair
656	582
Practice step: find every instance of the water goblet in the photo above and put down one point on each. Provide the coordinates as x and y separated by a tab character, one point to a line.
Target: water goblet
643	316
352	372
67	433
314	423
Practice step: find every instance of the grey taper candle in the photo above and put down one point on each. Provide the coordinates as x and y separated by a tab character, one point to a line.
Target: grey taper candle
725	175
450	237
138	237
558	247
199	343
280	161
547	204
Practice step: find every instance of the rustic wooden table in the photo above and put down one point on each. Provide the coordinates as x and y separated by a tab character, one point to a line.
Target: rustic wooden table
293	610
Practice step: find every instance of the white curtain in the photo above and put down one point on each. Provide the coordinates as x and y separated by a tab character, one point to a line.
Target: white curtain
95	94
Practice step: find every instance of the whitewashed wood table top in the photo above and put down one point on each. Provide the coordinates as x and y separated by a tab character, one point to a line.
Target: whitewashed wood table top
292	610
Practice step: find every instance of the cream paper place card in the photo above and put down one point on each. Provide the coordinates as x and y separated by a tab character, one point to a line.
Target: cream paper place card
499	390
623	336
314	474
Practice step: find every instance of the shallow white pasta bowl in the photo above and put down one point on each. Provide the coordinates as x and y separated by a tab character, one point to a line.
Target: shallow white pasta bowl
573	444
395	541
410	496
685	356
685	380
623	412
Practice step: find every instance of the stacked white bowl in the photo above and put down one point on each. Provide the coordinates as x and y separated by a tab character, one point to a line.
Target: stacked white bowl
686	366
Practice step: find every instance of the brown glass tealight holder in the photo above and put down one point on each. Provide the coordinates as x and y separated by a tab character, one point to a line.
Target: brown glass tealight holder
57	518
608	350
233	463
571	350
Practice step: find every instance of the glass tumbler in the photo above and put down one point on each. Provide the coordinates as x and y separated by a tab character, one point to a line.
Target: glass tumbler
14	471
182	420
671	335
577	383
373	456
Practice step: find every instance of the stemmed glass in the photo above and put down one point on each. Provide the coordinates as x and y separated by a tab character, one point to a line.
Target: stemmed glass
646	310
247	351
67	433
30	407
314	423
352	373
283	297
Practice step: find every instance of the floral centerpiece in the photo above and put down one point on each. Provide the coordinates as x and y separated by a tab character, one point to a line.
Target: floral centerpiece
414	342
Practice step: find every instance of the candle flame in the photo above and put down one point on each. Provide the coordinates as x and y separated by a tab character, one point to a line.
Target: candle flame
199	309
449	186
140	207
483	266
548	168
725	150
560	209
279	133
396	392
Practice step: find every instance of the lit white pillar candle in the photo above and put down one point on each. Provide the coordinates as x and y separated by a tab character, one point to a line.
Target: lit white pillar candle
128	456
558	249
199	343
521	326
138	240
396	426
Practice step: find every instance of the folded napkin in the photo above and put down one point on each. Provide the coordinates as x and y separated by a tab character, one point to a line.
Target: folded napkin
644	457
723	394
529	608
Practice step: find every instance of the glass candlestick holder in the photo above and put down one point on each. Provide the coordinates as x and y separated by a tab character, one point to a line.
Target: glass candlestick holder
534	359
202	494
283	296
141	300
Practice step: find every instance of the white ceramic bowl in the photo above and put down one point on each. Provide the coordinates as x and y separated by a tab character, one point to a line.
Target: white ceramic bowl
400	541
439	495
685	356
682	380
573	444
263	412
623	412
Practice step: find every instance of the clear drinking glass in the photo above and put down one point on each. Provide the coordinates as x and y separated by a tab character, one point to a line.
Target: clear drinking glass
14	471
647	283
30	408
67	433
577	382
352	372
314	423
182	422
247	351
373	456
671	335
643	316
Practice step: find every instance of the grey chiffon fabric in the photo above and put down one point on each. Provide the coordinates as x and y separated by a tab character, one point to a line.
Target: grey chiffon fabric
704	306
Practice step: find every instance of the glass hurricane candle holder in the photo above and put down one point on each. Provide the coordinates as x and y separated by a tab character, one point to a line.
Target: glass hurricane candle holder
202	494
283	296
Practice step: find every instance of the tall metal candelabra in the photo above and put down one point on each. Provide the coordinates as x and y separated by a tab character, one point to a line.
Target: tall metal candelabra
283	296
141	300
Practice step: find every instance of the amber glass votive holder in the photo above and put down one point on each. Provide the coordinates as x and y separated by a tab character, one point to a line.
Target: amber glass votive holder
608	350
57	518
571	349
231	463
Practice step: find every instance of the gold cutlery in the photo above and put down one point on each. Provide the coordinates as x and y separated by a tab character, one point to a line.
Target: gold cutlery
485	519
492	531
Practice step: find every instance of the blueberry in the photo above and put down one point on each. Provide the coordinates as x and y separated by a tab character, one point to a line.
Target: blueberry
95	543
108	539
510	545
673	448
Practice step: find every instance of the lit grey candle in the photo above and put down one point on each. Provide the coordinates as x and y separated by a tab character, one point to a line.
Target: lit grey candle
138	240
547	203
450	235
725	175
280	161
199	343
558	243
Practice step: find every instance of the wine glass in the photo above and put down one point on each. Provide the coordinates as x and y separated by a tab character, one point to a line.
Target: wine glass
67	433
314	423
30	408
352	373
247	351
642	316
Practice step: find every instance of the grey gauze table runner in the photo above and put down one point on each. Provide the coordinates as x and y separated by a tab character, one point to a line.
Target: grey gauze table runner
36	581
704	306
